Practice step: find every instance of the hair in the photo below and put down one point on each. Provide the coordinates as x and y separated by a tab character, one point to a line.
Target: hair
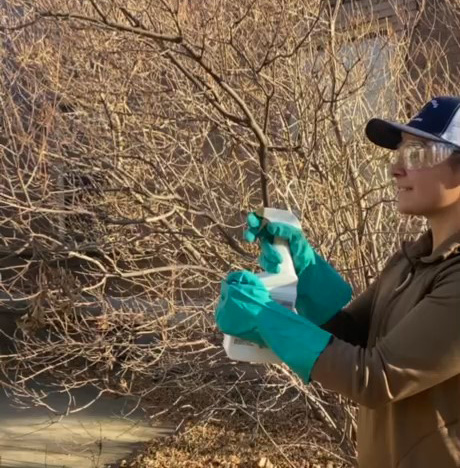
454	160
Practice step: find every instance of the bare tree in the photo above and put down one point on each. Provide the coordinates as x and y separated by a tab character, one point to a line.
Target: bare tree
135	138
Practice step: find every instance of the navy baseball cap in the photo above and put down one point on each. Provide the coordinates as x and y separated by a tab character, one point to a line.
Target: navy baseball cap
439	121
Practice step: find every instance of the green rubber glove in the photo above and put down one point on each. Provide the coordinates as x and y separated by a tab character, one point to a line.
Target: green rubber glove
246	310
321	291
240	296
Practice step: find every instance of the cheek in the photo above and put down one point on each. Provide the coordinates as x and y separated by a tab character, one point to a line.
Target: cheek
428	189
433	192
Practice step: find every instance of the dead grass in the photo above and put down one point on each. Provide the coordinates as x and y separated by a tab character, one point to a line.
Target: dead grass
290	435
215	445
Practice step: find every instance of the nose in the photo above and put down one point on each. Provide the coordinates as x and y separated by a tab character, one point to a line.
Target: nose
397	170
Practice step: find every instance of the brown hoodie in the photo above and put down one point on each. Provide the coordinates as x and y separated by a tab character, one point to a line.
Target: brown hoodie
396	352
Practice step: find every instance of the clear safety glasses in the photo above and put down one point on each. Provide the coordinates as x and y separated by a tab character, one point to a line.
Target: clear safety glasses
414	155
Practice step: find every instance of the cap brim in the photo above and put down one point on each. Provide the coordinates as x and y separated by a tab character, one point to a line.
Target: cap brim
388	134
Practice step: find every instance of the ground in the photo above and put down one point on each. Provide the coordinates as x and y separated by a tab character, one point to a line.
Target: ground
215	446
292	435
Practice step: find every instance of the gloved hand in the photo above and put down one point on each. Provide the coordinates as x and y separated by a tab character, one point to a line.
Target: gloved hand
247	311
241	294
321	291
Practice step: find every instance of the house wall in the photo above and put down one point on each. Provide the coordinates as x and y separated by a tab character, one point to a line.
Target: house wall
388	14
433	27
435	53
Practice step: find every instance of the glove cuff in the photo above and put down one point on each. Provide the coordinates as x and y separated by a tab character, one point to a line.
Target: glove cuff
294	339
321	292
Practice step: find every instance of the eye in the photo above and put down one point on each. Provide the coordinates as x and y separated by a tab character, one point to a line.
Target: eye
415	155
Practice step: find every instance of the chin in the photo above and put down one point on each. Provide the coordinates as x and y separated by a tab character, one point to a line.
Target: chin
408	210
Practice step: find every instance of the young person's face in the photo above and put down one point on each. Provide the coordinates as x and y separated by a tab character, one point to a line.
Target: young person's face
426	182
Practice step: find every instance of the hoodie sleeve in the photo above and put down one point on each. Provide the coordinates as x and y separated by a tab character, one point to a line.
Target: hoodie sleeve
421	351
351	324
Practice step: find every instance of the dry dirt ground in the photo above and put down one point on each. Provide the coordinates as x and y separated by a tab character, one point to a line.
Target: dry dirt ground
249	436
220	447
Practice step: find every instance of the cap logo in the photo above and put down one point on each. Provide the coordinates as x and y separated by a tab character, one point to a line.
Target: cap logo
435	103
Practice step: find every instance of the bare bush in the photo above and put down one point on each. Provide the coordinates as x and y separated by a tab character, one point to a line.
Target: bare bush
132	139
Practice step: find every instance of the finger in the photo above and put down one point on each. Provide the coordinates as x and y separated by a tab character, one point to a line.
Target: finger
243	277
254	221
270	252
250	235
268	266
279	230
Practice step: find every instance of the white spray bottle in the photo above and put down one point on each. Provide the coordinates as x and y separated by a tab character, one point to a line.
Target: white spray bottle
282	287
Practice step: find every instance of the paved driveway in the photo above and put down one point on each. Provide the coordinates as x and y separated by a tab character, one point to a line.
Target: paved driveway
95	437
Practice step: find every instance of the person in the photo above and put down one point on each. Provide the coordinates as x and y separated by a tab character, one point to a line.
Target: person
395	349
